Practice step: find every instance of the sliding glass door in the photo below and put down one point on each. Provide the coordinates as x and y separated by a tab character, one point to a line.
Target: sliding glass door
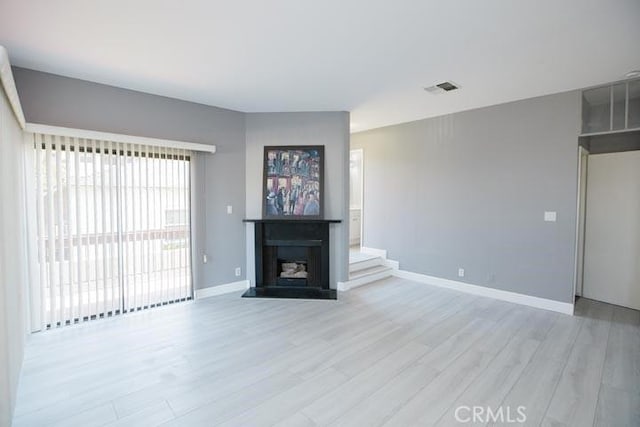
113	228
156	235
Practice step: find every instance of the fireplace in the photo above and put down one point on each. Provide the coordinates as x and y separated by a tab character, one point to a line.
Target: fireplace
292	263
292	259
293	270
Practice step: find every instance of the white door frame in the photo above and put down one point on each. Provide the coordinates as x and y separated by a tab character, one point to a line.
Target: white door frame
583	165
361	151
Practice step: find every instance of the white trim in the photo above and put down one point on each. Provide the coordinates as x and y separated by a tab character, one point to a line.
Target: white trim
9	85
580	222
392	264
531	301
222	289
117	137
361	208
382	253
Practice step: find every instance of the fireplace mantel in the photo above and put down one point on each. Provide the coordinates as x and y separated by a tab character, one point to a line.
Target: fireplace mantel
294	221
286	242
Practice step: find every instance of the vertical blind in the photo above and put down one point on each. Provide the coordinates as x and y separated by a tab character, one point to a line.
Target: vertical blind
113	228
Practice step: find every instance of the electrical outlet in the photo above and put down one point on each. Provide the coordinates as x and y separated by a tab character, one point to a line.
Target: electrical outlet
229	209
461	272
238	271
204	258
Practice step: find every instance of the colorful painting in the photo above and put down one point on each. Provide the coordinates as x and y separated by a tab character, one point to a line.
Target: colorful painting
293	182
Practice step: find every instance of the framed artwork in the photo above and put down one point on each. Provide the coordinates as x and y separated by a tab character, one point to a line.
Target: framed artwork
293	182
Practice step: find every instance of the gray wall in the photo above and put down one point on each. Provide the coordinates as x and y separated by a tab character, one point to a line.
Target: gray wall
219	179
470	190
330	129
13	272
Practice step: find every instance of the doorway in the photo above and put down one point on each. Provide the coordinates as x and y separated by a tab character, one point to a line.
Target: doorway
611	221
356	186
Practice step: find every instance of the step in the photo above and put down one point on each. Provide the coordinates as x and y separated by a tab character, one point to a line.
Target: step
365	276
365	264
355	257
368	272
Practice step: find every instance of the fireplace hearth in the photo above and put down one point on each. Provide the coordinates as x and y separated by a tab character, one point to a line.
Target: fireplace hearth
292	259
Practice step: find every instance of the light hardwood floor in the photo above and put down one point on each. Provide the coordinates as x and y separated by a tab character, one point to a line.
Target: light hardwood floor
393	353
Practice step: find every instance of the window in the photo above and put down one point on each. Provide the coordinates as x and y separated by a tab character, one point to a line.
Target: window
175	217
113	229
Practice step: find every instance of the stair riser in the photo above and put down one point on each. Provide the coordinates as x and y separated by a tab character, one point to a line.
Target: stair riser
364	273
365	280
363	265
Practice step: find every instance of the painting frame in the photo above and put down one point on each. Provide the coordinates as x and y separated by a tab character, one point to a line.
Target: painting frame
293	182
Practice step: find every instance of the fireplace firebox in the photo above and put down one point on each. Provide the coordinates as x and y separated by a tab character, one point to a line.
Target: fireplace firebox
292	259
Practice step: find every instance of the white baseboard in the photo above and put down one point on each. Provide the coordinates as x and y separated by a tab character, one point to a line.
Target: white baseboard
222	289
391	263
531	301
382	253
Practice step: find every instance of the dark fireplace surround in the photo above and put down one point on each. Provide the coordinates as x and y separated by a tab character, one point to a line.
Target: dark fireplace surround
302	246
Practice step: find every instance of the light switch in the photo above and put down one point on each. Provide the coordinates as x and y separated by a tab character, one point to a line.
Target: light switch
229	209
550	216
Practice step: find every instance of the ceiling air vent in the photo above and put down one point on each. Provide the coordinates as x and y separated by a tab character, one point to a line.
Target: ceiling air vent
441	88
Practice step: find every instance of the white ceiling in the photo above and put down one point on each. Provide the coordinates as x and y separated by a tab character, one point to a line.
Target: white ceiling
370	57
